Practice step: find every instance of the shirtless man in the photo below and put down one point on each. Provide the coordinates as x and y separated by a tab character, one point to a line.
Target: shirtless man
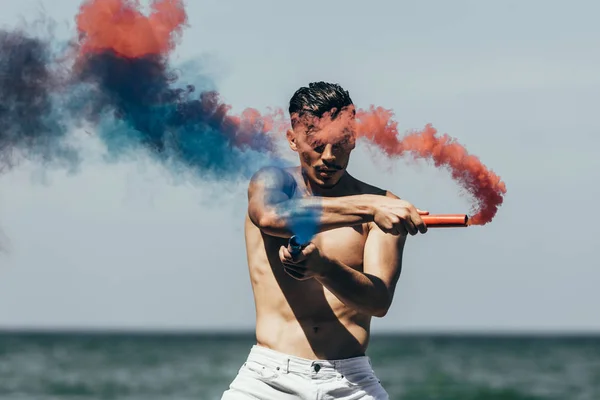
313	310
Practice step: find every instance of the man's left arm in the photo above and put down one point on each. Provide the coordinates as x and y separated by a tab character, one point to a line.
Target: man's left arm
371	291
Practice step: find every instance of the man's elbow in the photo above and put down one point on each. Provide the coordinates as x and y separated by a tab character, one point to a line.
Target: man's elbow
262	220
380	312
265	221
382	307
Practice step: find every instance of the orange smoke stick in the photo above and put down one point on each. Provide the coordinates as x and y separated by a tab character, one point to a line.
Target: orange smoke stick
432	221
446	220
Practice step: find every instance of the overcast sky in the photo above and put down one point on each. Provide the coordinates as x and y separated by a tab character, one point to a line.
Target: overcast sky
518	83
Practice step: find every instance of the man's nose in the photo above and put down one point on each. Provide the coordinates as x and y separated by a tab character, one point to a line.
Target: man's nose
328	153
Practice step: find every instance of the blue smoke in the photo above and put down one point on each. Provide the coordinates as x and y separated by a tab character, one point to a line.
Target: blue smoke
31	124
138	104
134	105
304	222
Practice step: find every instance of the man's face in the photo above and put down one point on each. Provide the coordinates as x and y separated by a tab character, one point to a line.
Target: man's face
324	145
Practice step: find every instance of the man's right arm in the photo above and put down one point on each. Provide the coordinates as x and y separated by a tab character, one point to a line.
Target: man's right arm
273	208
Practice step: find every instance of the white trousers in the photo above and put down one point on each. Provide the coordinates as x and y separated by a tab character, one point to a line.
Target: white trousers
271	375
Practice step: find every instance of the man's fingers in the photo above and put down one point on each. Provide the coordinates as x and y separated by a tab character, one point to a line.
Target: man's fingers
395	225
308	249
282	253
420	226
296	267
301	276
388	228
293	265
422	212
290	268
287	256
400	229
293	273
410	226
302	254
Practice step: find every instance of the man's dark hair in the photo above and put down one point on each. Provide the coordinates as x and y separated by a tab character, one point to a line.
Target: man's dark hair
318	98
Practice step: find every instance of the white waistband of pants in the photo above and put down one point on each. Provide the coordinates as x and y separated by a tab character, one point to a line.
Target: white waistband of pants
289	363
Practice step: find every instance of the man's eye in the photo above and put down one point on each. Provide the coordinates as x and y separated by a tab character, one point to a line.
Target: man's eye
342	144
319	148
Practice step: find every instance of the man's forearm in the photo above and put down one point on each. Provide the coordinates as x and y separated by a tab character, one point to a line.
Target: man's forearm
363	292
321	213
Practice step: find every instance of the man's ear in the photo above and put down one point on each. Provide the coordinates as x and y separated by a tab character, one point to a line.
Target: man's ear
352	141
291	137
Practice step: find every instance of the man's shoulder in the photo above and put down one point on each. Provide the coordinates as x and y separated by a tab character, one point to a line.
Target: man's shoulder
271	171
367	188
273	177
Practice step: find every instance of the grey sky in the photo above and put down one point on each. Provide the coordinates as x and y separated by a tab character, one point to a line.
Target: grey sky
518	83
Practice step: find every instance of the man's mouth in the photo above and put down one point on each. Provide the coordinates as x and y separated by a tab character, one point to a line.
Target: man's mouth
327	172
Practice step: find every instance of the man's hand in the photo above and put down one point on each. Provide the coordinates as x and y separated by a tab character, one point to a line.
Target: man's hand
398	217
304	265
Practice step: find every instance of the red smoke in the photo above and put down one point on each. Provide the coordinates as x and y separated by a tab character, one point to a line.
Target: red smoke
485	186
118	25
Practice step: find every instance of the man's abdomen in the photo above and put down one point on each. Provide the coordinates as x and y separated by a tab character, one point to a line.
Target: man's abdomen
314	338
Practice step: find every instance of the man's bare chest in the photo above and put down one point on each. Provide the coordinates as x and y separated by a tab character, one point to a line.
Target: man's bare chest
345	245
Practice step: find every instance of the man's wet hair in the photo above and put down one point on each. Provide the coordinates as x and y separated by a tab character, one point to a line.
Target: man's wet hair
318	98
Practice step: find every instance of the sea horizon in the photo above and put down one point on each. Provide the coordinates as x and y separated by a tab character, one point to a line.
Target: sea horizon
136	331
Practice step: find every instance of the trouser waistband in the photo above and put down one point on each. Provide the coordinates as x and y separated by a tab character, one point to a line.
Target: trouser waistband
288	363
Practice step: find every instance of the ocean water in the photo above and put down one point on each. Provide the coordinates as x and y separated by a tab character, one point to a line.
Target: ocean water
52	366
